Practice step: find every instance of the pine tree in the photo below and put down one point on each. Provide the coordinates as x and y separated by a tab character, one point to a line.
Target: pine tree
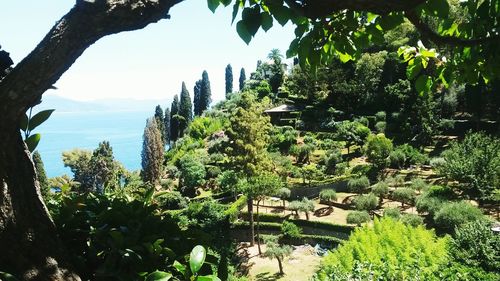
243	77
160	121
229	80
197	96
167	123
174	121
185	110
206	92
152	152
41	175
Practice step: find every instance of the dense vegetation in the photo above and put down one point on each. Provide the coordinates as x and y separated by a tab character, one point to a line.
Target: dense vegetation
374	106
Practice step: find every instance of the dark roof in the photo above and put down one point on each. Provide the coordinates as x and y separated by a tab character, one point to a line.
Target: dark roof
283	108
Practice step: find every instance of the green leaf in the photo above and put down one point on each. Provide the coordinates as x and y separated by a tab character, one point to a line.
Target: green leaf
39	118
428	53
281	14
23	125
180	267
390	21
225	2
242	30
32	141
208	278
158	276
236	8
267	21
197	258
293	49
413	70
7	277
252	19
213	4
423	84
439	8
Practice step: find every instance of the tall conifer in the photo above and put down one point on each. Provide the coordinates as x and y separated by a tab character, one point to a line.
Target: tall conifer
185	110
166	123
206	92
229	80
174	121
242	79
160	122
197	96
152	152
41	175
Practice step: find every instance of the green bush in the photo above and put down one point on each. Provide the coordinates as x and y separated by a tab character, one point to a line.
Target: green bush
172	201
358	185
358	217
394	213
475	244
455	271
367	202
380	116
429	204
404	195
412	219
390	250
290	230
377	150
418	184
234	209
475	164
397	159
328	195
455	214
331	160
381	189
380	126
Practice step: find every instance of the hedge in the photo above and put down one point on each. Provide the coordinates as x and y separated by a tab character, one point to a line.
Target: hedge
236	207
324	225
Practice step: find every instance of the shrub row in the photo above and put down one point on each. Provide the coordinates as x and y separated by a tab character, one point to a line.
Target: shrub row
234	209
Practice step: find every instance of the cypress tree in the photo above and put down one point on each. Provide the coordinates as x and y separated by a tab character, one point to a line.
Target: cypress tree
206	92
166	123
197	95
160	121
152	152
185	110
229	80
174	121
41	175
243	77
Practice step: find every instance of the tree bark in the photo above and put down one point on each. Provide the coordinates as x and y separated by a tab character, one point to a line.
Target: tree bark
280	266
250	213
29	245
258	228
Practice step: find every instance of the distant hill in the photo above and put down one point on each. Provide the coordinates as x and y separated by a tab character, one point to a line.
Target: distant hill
61	104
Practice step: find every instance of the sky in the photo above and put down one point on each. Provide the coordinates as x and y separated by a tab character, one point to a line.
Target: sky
144	64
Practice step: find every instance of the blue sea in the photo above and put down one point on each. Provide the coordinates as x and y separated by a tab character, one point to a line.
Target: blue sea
67	130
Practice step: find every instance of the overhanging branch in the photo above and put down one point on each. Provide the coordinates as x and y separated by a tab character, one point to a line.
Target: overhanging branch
438	39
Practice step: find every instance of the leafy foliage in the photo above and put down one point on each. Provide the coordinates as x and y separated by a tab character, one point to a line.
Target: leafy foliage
368	202
358	185
393	251
475	164
290	230
358	217
377	149
455	214
152	152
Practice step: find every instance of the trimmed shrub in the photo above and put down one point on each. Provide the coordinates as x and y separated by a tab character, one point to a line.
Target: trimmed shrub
426	203
380	116
358	185
380	126
377	149
358	217
412	219
328	195
397	159
418	184
394	213
455	214
367	202
172	201
381	189
404	195
290	230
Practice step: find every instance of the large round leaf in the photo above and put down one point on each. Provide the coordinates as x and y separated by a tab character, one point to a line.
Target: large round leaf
197	258
159	276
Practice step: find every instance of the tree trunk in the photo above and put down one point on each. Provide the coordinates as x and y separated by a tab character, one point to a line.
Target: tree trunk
307	215
258	228
280	266
29	245
250	213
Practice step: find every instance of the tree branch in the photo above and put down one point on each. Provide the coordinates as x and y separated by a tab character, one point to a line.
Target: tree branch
82	26
314	9
438	39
